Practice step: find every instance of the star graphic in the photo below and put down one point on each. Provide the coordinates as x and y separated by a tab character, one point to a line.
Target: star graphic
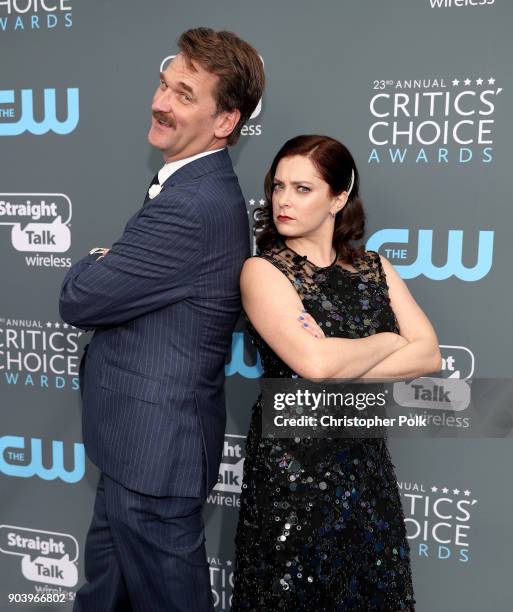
491	81
252	202
434	489
57	325
467	81
261	202
479	81
455	82
48	324
455	491
445	490
228	563
65	325
466	492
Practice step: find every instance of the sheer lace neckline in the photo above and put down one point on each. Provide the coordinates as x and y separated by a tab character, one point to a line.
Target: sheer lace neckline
334	263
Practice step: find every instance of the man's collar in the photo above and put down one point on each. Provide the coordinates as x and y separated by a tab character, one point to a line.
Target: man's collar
171	167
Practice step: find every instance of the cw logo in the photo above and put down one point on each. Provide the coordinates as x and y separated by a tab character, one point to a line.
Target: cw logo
237	364
13	460
26	121
424	265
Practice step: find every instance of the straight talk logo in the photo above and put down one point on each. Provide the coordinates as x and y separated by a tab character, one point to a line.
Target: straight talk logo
38	223
46	556
460	3
229	483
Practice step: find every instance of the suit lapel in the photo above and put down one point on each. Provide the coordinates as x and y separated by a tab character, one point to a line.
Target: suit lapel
194	169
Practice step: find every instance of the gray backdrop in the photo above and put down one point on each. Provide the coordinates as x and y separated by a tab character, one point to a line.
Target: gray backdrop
417	89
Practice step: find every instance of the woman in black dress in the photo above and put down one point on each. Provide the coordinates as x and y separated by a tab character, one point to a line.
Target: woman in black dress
321	525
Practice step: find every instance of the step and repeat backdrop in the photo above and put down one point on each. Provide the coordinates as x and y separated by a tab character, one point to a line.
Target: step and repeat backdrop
421	93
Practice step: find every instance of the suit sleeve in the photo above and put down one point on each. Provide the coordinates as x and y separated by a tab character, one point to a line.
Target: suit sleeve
152	265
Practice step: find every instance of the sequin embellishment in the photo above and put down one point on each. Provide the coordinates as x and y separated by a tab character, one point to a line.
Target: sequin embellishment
321	525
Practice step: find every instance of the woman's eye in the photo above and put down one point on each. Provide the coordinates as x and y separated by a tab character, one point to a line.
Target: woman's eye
303	189
275	186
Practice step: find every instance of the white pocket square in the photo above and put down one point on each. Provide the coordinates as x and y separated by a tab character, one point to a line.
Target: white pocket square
154	190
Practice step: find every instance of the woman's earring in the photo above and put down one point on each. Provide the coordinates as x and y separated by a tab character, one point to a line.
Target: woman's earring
332	214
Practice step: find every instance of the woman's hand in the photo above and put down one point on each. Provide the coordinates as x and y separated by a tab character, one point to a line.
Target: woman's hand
309	324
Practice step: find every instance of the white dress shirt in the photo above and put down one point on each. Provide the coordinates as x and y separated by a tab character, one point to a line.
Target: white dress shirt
168	169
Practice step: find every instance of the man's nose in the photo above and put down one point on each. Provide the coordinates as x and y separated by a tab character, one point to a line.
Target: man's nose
161	101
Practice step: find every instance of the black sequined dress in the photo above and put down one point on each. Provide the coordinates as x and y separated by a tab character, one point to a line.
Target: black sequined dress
321	526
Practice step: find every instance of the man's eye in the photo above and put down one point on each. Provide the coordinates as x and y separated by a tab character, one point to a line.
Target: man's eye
162	84
186	97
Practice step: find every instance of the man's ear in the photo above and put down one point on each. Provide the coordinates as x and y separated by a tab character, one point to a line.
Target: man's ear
226	122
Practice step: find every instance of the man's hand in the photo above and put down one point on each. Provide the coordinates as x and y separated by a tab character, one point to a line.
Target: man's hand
100	250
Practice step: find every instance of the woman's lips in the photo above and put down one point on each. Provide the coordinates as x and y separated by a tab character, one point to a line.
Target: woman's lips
284	218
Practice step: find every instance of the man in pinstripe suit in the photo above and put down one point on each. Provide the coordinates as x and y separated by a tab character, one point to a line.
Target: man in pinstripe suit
163	302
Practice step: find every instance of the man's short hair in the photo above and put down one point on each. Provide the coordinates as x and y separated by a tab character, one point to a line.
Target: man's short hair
235	62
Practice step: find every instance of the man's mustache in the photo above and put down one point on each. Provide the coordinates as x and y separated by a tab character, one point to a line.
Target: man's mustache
164	118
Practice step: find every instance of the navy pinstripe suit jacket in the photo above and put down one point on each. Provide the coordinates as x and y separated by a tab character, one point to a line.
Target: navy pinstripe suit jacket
163	303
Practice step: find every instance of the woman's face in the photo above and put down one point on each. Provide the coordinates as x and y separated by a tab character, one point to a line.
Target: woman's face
301	199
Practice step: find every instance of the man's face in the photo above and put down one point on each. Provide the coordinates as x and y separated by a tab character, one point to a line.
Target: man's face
183	111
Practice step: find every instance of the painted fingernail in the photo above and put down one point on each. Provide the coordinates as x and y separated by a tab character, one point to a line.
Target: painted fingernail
301	318
305	324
